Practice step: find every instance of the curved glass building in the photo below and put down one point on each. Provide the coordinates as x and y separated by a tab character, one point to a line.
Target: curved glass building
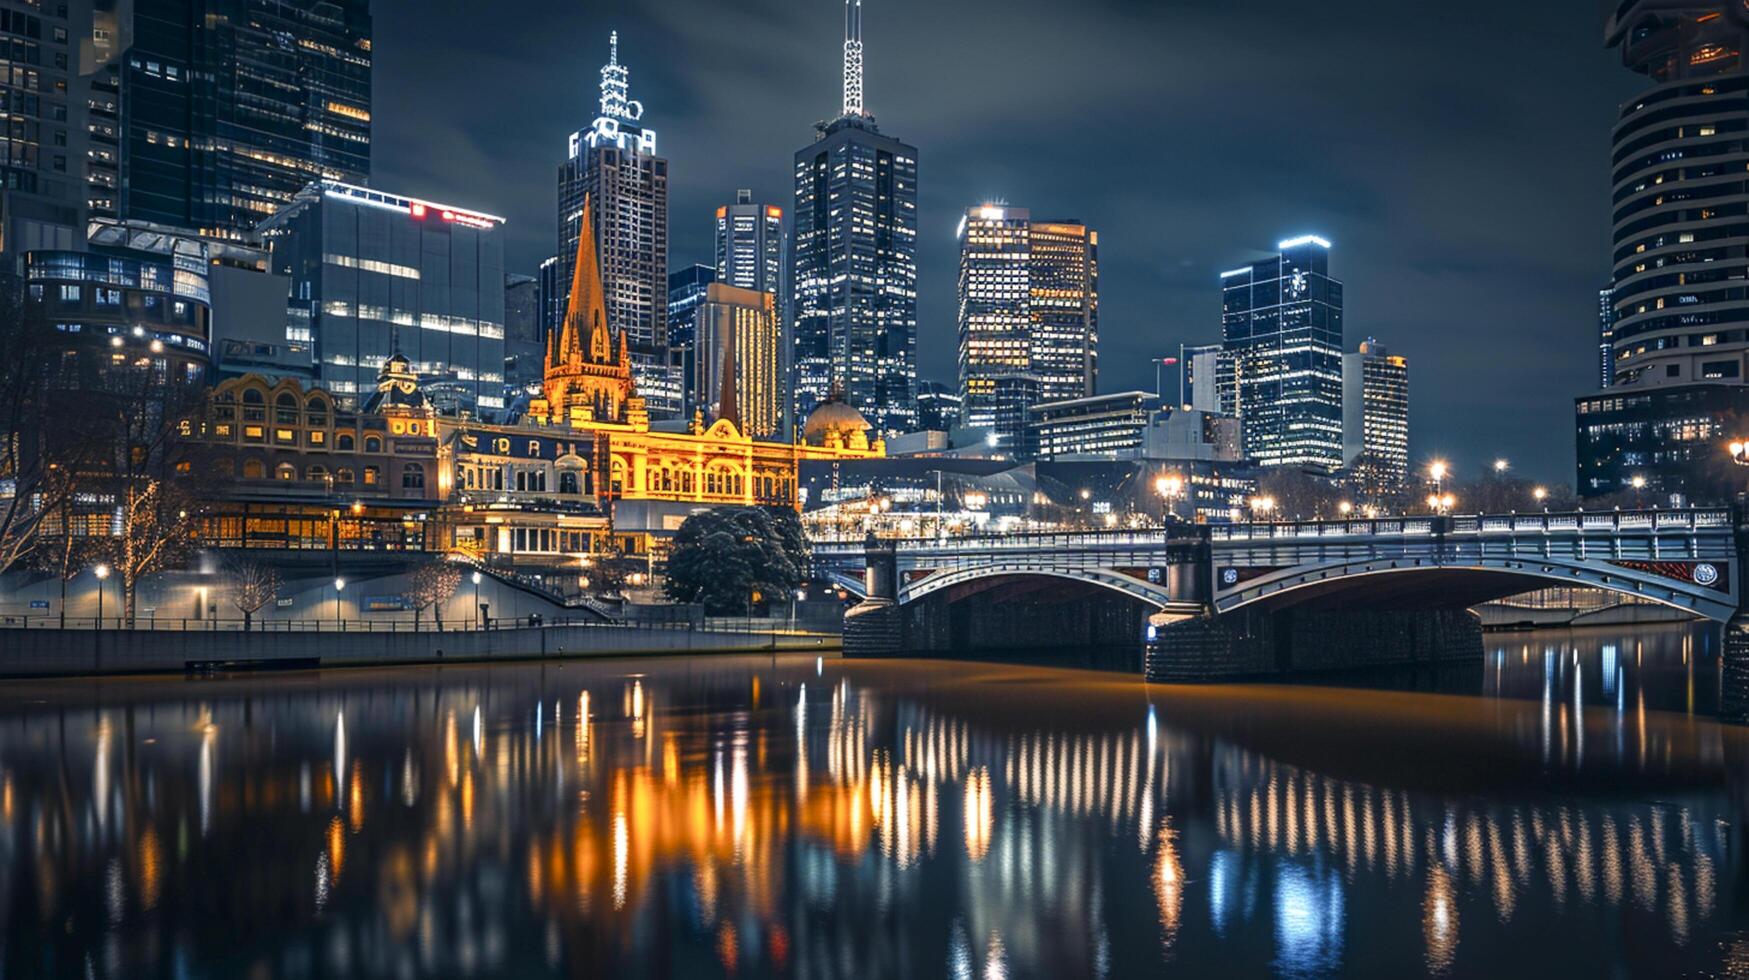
1680	283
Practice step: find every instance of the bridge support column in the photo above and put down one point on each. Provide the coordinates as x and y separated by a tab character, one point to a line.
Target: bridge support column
1252	644
1734	679
872	627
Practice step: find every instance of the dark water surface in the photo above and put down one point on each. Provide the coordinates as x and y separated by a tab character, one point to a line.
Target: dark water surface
1570	811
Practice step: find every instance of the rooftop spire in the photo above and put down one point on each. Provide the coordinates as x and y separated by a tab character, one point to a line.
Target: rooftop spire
853	58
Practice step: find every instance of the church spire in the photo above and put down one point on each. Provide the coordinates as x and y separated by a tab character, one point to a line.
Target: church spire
584	334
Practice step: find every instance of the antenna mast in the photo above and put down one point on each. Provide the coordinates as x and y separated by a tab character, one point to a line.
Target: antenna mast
853	58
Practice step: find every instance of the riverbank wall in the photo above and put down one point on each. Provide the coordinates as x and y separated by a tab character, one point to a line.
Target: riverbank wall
53	652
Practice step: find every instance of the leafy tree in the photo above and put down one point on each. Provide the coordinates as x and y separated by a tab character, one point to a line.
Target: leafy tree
722	558
256	585
432	584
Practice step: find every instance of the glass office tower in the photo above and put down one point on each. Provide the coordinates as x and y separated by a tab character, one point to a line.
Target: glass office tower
1281	327
230	107
373	273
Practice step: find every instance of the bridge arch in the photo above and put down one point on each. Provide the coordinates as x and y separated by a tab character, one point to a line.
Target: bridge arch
1376	582
1155	595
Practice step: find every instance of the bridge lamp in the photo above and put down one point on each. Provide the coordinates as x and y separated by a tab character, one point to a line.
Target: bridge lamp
1740	453
1638	482
1433	501
1262	505
1501	466
1447	501
1437	470
1345	508
1540	493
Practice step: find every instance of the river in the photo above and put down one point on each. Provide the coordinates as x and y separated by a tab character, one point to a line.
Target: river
1565	808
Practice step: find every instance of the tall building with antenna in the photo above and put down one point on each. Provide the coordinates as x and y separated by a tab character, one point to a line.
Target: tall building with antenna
854	254
614	166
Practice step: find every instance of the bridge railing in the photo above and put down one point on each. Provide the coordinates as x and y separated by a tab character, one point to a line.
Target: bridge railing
1581	522
1149	538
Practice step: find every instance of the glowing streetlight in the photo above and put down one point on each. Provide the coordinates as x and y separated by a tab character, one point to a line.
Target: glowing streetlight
339	583
1501	466
1168	487
1263	505
1345	508
1638	482
1540	493
102	572
476	578
1437	470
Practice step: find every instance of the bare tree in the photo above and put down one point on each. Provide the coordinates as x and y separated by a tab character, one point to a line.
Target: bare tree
255	584
432	584
42	452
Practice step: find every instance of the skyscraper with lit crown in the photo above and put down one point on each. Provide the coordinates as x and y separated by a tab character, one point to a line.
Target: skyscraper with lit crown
1281	328
614	165
854	253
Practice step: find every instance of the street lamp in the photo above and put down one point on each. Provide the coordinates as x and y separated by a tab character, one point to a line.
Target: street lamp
102	572
1169	487
1345	508
1501	466
476	577
1262	505
1540	493
339	583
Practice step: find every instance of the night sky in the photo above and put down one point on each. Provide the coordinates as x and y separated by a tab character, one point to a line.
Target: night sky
1456	154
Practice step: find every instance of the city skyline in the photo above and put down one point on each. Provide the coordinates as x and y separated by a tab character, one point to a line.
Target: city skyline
1404	182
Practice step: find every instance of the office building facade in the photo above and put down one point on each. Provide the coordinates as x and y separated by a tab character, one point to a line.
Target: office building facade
613	167
523	344
1375	419
854	259
995	316
1281	327
231	107
43	200
1605	337
939	407
374	273
1680	327
1110	426
752	250
1063	278
738	359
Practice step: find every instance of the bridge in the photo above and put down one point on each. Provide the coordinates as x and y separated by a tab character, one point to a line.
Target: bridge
1257	598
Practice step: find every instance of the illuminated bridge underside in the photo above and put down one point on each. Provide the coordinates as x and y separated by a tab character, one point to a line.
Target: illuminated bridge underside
1407	585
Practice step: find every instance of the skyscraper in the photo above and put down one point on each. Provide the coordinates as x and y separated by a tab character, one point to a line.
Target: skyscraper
1281	325
1375	418
372	273
1605	337
738	359
750	245
686	292
855	260
523	343
1678	388
232	106
552	297
995	317
613	164
43	126
1064	281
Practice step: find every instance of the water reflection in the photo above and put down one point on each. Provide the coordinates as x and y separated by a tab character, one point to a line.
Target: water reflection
828	818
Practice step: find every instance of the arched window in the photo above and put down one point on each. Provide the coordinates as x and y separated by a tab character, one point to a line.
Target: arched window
343	475
285	409
343	442
412	477
468	477
254	405
254	469
568	482
316	473
371	476
373	444
316	407
285	471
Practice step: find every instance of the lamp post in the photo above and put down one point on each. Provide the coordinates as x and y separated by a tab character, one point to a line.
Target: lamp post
339	583
1262	506
1168	487
102	572
476	600
1540	493
1638	482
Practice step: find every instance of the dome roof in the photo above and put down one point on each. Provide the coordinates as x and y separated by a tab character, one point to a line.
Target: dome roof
833	416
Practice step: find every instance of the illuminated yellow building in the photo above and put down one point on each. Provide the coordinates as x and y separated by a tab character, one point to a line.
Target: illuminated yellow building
588	388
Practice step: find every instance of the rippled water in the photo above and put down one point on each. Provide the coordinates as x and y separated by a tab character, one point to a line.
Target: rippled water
1573	813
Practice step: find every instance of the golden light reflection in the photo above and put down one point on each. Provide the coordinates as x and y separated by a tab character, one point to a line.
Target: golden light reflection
979	818
1168	882
1439	921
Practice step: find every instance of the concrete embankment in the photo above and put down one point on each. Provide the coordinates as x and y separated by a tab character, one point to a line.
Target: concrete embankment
48	652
